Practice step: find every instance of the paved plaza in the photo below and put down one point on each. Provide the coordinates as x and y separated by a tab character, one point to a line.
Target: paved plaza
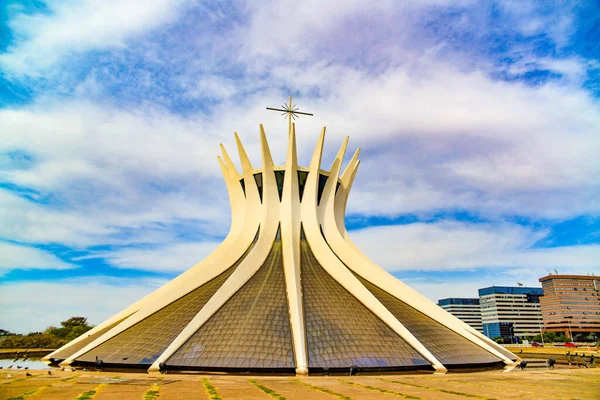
568	383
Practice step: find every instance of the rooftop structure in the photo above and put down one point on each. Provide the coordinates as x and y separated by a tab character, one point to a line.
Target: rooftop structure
510	312
571	304
467	310
286	291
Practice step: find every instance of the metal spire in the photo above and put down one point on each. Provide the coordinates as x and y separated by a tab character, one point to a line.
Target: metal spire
290	111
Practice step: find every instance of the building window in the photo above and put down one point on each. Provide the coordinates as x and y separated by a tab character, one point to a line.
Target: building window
279	178
302	176
259	183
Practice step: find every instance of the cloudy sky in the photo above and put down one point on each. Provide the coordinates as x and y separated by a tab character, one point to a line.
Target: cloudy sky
479	124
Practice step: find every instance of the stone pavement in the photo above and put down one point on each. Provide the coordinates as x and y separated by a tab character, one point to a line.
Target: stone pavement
574	383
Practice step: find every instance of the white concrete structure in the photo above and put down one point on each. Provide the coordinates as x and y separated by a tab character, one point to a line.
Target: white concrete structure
287	290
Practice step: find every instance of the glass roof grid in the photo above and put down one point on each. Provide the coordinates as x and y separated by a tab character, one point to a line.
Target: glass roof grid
252	330
446	345
66	353
145	341
341	331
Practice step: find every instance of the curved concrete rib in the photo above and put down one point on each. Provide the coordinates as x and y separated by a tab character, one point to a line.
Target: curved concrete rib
268	212
325	231
336	235
132	309
224	256
238	278
341	197
332	265
290	239
197	273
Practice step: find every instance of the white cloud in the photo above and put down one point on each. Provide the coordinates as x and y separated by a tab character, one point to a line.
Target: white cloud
98	224
434	139
177	257
452	245
450	136
444	245
435	291
99	171
26	221
33	306
13	256
352	30
534	18
76	26
438	133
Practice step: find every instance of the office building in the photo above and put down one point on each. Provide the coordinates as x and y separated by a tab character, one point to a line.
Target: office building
571	304
467	310
510	312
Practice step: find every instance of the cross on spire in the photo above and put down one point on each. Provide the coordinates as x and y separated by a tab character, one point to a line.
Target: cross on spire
290	111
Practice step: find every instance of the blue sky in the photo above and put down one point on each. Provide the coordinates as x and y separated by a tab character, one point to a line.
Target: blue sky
479	126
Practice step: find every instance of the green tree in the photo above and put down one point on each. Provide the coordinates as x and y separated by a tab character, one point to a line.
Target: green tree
74	321
77	331
52	337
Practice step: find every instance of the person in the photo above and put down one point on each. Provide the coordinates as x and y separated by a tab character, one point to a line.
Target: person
523	364
551	362
98	363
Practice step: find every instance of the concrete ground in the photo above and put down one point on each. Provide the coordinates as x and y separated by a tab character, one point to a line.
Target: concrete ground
564	383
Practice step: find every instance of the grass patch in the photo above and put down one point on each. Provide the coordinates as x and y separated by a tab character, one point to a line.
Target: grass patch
25	395
69	378
380	390
86	395
210	389
482	385
19	379
438	390
90	393
267	390
38	390
152	393
322	389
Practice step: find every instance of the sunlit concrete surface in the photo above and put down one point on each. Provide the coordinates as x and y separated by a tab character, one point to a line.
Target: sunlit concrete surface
564	383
